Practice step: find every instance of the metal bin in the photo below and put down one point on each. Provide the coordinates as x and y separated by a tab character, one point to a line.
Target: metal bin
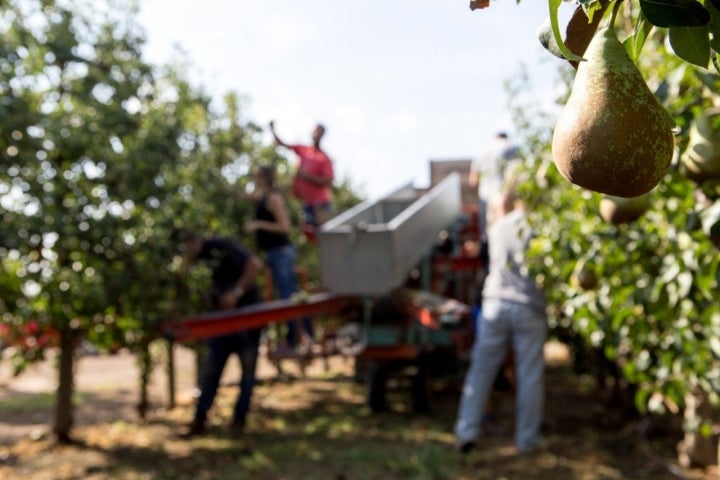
371	248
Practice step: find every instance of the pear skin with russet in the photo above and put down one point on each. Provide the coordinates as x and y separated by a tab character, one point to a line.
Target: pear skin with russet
613	136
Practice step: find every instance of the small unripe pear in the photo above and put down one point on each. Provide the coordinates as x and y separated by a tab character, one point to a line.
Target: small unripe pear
612	136
584	276
619	210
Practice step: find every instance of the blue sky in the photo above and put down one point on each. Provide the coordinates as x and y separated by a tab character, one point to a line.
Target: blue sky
396	82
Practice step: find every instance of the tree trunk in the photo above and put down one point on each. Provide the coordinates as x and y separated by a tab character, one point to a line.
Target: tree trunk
699	447
145	365
64	409
170	345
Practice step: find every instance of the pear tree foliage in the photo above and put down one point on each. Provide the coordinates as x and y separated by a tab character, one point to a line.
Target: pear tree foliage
102	156
652	310
692	26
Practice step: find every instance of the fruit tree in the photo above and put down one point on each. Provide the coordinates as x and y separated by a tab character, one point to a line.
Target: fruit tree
634	280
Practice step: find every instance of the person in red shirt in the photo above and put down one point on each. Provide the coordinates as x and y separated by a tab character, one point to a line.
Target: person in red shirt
312	183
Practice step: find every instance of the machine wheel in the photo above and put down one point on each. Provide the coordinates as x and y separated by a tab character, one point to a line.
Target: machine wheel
351	339
420	389
377	388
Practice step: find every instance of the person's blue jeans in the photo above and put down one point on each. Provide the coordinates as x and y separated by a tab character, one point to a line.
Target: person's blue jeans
282	266
245	344
503	325
312	217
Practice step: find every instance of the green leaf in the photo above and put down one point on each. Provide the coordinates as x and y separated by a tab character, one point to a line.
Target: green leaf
642	32
675	13
594	7
692	44
554	5
709	80
547	40
641	400
706	430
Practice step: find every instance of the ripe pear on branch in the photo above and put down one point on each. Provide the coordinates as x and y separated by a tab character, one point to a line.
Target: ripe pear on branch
612	136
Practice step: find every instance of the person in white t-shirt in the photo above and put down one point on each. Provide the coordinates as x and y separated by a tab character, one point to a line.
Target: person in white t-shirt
488	173
513	317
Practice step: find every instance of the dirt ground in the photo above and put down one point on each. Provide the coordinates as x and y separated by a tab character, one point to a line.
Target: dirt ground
326	430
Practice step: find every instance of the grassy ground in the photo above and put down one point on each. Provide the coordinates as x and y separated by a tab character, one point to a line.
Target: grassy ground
318	427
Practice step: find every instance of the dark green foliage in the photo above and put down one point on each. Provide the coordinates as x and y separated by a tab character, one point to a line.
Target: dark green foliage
693	27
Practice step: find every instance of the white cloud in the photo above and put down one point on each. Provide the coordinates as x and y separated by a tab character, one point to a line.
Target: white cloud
401	121
354	118
280	36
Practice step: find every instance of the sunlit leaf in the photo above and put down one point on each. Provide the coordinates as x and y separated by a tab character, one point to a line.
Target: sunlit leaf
715	346
594	7
547	39
710	218
685	282
642	31
555	24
